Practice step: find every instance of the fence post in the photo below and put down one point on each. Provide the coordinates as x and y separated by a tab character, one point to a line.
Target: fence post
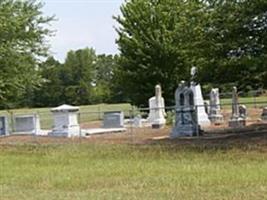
12	122
254	100
131	122
99	112
196	111
80	128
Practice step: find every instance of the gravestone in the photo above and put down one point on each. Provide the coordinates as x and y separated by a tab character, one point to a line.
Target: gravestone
157	109
113	119
137	121
65	121
243	112
185	113
3	126
236	121
264	114
215	115
202	116
27	124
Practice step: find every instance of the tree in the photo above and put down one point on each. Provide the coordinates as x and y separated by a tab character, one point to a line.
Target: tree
235	43
51	91
105	83
22	43
156	39
160	40
77	76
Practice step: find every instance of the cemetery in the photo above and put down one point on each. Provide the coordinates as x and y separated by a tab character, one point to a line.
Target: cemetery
133	99
190	117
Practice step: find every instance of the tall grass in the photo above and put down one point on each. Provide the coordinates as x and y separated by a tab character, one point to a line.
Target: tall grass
95	171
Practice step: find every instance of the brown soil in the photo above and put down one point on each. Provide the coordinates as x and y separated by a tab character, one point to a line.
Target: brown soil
252	136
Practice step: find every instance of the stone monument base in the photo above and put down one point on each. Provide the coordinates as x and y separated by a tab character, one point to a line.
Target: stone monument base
216	119
159	123
264	114
73	131
157	126
185	131
237	123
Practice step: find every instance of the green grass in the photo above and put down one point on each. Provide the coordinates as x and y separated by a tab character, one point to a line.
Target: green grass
248	101
94	171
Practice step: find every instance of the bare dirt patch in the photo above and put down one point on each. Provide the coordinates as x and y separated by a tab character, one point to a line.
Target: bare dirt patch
252	136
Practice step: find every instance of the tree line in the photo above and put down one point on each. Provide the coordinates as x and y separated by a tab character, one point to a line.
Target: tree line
158	40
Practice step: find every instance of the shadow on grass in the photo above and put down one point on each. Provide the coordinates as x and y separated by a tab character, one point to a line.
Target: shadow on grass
253	137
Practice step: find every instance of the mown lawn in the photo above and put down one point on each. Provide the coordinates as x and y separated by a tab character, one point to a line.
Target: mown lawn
97	171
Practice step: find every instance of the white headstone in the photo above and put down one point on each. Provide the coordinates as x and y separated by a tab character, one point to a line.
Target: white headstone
113	119
157	109
66	121
27	124
137	121
202	116
215	115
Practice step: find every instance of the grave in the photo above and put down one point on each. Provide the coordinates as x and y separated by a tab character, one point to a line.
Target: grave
185	113
202	116
137	121
236	120
215	115
3	126
243	112
65	121
157	109
27	124
264	114
113	119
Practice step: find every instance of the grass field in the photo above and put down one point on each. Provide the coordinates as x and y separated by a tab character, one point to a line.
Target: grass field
159	171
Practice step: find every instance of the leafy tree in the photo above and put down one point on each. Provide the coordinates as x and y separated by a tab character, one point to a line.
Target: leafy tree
22	43
160	40
235	43
156	39
105	83
51	91
77	76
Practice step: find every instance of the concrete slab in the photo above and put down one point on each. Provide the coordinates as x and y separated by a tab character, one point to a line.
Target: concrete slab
93	131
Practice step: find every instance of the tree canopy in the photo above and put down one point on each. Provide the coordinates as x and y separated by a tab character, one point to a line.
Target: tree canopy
22	42
160	40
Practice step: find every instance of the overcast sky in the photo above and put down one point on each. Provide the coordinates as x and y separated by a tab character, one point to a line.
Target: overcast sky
83	23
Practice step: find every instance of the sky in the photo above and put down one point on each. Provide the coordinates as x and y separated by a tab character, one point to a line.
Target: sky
82	23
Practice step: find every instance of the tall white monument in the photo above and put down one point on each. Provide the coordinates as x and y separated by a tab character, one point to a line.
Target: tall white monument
65	121
157	109
202	116
215	108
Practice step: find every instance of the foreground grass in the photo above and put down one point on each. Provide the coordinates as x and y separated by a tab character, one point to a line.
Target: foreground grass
95	171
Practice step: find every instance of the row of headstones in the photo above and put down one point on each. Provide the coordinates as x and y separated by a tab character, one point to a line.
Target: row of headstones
22	124
65	122
190	112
